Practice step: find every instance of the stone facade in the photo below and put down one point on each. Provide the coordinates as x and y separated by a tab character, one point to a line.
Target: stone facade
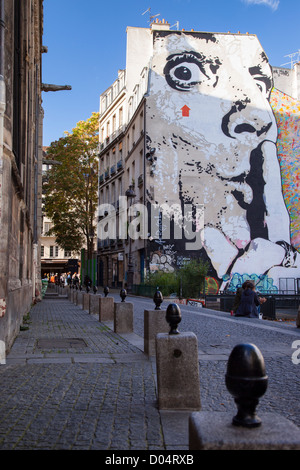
21	121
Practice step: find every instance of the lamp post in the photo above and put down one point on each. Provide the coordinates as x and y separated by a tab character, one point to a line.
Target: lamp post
130	194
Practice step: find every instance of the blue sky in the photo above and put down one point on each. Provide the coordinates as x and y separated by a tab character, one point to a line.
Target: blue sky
86	43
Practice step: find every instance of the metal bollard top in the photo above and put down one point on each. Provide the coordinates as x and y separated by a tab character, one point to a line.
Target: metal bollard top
106	291
173	317
158	299
123	294
247	381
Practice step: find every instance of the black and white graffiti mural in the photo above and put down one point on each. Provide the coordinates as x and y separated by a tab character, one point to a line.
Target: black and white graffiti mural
211	143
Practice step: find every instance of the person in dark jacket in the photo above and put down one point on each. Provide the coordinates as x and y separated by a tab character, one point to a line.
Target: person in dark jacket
249	302
238	296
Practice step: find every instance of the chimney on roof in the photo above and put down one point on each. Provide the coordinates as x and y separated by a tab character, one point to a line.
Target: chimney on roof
160	25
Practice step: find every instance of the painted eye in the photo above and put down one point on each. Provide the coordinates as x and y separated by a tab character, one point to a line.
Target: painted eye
184	72
262	85
263	81
184	76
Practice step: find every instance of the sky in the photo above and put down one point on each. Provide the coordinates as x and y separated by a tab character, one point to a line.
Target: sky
86	43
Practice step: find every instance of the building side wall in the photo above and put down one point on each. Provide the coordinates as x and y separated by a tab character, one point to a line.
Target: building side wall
224	142
20	165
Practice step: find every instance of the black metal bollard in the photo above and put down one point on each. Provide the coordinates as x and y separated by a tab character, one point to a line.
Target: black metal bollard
158	299
173	317
247	381
106	291
123	294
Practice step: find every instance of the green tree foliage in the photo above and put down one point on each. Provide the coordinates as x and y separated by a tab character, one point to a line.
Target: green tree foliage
187	282
167	282
192	276
71	189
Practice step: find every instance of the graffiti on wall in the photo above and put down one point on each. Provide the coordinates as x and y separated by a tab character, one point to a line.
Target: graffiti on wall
212	136
287	115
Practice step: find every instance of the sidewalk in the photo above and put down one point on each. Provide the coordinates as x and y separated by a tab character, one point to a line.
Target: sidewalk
71	383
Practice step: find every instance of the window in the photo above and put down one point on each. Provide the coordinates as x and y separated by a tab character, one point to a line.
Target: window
53	251
68	253
42	250
46	227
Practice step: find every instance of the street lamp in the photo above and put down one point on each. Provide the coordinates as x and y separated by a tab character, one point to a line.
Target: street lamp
130	194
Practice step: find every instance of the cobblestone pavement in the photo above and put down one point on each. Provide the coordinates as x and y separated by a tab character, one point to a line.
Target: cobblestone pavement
58	393
70	382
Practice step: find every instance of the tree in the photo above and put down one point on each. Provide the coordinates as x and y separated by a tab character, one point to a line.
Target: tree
187	281
71	190
192	275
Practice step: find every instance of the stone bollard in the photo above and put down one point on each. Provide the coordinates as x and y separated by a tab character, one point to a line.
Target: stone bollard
72	291
298	318
86	301
247	381
123	315
74	296
154	323
68	289
94	304
79	298
106	309
177	366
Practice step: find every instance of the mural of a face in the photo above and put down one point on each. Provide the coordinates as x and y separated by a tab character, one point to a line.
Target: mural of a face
214	135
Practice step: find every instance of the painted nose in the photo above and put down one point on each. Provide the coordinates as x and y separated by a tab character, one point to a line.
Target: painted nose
242	120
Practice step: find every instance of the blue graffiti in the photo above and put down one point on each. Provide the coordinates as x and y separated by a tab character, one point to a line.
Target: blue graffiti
263	283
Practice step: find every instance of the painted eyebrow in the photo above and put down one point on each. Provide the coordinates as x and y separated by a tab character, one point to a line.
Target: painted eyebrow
187	55
192	56
263	77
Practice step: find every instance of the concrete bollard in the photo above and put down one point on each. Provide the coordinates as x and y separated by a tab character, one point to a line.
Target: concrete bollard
214	431
177	366
106	309
86	301
79	298
123	317
247	381
68	289
154	323
94	304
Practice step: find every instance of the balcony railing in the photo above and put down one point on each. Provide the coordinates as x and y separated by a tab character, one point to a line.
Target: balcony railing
120	165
